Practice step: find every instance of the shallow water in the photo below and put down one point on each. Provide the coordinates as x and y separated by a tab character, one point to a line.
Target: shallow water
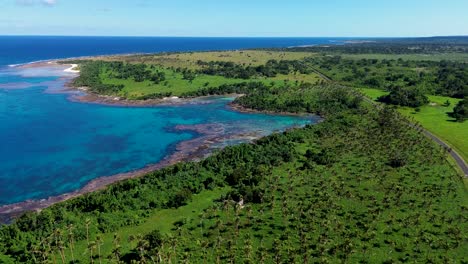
51	145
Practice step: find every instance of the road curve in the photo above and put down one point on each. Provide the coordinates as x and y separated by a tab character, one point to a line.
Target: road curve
461	163
457	157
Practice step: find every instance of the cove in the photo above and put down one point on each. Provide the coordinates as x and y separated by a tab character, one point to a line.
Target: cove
51	145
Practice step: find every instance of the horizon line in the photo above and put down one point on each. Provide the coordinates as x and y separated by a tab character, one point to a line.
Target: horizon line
167	36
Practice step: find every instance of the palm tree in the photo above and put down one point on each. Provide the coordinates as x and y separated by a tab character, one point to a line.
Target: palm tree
99	243
44	250
71	241
237	222
116	250
227	206
49	248
173	246
249	214
261	252
142	245
90	249
59	243
87	223
277	250
61	247
35	250
248	248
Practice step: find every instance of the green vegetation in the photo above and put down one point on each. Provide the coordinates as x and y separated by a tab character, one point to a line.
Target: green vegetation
143	81
411	97
360	187
435	117
411	46
461	57
106	78
436	78
190	60
460	112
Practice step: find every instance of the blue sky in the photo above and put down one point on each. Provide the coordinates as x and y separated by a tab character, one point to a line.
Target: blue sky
301	18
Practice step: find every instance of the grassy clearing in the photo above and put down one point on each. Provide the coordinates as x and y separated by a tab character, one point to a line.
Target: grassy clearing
174	83
189	59
413	57
372	93
162	220
434	117
177	85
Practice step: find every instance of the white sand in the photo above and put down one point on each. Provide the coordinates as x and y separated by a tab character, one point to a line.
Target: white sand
71	69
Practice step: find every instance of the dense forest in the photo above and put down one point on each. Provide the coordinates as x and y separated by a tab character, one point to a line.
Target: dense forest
446	78
432	45
362	186
460	112
271	69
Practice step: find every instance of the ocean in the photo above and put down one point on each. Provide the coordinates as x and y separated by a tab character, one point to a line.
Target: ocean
51	145
24	49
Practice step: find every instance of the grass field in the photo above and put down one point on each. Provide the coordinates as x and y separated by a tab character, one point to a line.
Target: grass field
174	83
189	59
434	118
413	57
162	220
177	85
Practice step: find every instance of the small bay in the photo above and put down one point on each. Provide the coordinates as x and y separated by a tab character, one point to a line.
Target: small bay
51	145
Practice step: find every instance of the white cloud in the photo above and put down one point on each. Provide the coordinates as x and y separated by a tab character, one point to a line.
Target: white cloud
35	2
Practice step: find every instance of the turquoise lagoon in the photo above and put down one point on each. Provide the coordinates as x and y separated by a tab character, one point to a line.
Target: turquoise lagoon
51	145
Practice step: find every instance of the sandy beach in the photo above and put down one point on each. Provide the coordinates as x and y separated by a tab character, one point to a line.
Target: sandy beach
72	69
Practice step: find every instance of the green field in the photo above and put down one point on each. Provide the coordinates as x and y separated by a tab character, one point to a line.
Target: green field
162	220
434	117
177	85
174	83
462	57
189	59
372	93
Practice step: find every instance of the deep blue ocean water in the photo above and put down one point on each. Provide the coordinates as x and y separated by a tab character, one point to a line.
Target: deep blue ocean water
51	145
23	49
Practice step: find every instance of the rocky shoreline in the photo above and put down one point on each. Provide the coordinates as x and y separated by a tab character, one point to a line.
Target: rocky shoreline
208	135
190	150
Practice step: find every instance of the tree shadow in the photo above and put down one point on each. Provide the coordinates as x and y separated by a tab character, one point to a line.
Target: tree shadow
451	114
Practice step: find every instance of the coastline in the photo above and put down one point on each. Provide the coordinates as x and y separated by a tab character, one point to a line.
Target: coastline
186	151
203	145
242	109
85	96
